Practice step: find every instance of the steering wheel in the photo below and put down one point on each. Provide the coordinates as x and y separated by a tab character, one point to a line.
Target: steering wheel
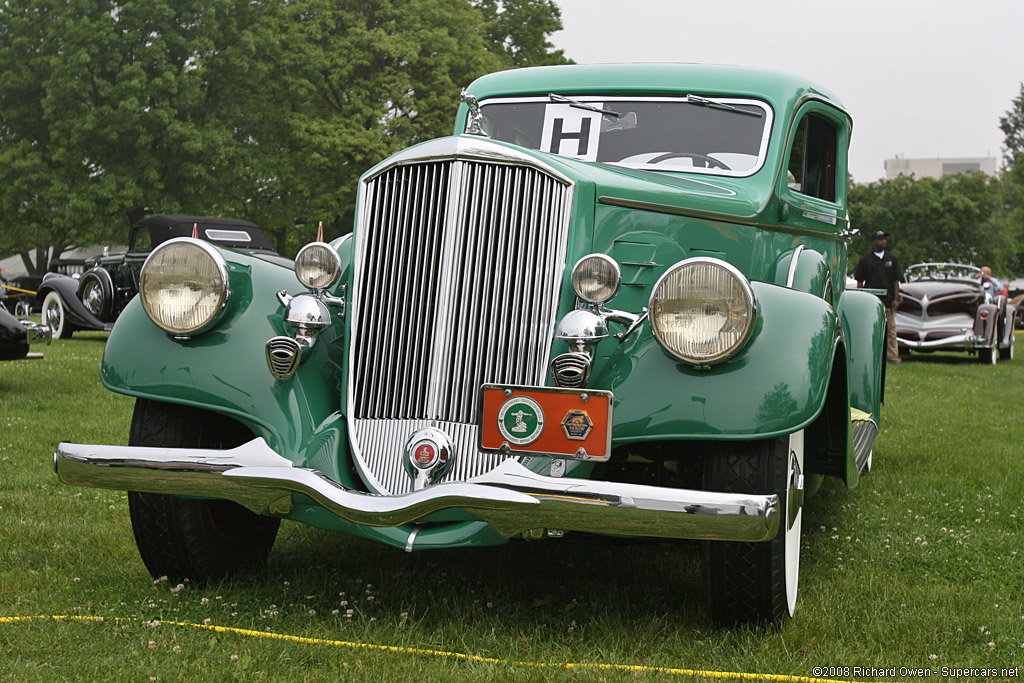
709	162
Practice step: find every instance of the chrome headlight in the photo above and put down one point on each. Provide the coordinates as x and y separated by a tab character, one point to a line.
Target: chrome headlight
317	265
184	285
596	278
702	310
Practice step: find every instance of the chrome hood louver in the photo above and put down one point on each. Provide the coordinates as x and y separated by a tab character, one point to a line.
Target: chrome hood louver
460	251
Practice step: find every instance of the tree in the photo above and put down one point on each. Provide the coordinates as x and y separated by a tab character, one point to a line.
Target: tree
109	112
954	218
518	30
1012	126
270	111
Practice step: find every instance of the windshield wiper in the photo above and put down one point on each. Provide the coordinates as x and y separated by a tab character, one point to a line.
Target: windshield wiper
582	105
697	99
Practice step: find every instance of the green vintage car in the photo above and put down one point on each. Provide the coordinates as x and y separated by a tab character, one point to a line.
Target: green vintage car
612	303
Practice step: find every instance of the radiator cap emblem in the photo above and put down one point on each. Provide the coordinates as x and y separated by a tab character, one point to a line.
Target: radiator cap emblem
428	456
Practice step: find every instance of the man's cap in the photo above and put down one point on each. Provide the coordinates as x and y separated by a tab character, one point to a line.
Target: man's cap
878	234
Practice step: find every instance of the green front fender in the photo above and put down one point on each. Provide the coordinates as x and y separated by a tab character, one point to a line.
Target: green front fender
775	385
225	369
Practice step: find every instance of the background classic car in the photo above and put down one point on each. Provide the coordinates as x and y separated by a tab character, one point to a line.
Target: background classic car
611	303
17	335
945	306
93	299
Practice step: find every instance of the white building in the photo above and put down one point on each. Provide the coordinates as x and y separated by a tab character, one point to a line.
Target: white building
936	168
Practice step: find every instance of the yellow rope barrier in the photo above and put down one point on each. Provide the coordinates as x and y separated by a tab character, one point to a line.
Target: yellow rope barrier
23	291
723	675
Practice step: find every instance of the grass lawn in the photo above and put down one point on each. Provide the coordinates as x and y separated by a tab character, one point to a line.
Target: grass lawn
918	567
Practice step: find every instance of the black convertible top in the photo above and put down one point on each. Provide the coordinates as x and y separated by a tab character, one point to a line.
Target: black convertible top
227	232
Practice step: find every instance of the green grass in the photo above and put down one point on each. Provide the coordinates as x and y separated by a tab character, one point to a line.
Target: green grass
920	566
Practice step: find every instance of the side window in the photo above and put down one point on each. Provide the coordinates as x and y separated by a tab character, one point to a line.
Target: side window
141	241
812	163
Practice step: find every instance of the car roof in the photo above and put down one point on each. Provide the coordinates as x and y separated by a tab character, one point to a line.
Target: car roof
228	232
778	88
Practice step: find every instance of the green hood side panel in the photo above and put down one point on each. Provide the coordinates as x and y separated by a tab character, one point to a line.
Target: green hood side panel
775	385
225	369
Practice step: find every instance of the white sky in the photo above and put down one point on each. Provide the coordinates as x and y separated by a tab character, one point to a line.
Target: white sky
922	78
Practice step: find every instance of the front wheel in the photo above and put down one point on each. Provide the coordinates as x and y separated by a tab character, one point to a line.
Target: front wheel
756	582
56	315
183	538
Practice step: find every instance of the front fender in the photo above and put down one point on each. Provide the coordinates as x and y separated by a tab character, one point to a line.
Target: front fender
775	385
67	288
224	370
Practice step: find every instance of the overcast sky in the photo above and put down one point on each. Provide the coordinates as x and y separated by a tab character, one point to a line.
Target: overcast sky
922	79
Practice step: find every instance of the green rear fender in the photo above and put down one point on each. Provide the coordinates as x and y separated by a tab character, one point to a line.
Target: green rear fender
775	385
225	369
863	318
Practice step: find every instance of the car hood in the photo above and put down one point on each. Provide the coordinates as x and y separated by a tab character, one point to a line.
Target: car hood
940	289
699	194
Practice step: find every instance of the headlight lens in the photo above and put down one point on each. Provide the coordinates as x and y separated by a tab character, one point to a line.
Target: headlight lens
317	265
702	310
184	286
596	278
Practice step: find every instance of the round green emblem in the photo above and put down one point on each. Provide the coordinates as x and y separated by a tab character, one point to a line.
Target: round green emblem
520	420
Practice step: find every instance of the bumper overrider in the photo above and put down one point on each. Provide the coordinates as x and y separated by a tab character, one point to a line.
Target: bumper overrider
510	498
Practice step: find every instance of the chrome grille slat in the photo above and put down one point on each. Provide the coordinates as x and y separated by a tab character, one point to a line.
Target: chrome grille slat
459	263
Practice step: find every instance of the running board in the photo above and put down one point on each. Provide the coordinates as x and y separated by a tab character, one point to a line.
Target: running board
864	432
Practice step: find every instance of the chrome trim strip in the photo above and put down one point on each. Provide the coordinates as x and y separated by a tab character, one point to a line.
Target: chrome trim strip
464	147
510	498
793	266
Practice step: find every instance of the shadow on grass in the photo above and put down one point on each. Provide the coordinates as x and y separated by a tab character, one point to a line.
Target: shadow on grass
522	585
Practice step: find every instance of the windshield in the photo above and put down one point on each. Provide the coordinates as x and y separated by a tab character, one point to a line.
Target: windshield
720	136
943	271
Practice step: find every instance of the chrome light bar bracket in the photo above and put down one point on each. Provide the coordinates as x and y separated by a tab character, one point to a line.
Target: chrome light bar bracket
582	329
307	314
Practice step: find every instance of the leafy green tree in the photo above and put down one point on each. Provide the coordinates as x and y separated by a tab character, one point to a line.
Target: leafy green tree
518	30
356	82
1012	125
953	218
110	110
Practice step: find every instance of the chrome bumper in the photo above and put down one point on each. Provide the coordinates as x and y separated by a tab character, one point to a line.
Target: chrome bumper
960	341
510	498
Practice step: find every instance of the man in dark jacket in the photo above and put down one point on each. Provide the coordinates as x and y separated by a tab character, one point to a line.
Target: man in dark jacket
881	270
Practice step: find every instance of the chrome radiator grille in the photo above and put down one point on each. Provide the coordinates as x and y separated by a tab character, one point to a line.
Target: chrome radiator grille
459	264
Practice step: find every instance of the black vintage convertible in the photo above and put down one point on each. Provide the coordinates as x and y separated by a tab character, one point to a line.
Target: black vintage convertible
946	306
15	336
94	299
